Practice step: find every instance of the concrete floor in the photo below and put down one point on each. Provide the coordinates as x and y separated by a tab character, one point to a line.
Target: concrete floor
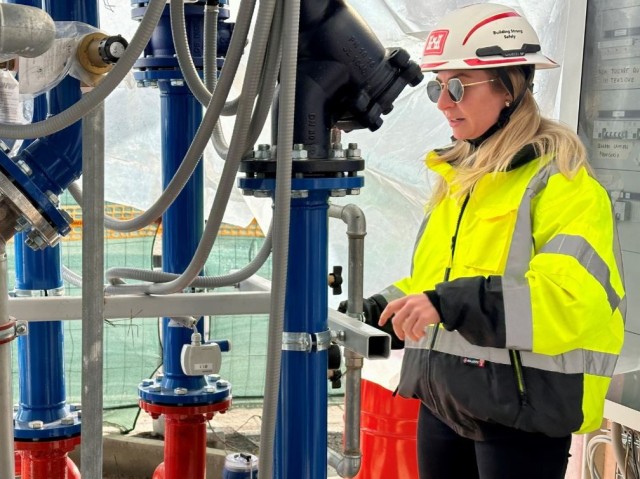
135	456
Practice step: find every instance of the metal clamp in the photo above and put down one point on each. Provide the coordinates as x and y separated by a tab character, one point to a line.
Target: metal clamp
306	342
322	340
296	342
8	332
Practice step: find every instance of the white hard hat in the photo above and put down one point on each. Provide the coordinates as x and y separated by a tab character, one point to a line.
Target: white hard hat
483	35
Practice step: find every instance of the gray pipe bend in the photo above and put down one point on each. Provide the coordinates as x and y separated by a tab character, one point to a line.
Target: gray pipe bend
344	464
347	463
353	217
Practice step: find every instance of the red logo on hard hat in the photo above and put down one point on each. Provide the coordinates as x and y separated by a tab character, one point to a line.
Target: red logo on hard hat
435	42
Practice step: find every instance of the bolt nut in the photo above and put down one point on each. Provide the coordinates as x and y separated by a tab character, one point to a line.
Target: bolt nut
209	389
180	391
354	191
159	378
212	378
154	389
147	382
338	193
263	152
26	169
67	421
75	407
221	384
299	152
336	153
53	198
22	328
354	152
22	224
299	193
36	424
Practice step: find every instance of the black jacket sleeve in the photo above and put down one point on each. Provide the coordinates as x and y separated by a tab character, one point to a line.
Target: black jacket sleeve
474	307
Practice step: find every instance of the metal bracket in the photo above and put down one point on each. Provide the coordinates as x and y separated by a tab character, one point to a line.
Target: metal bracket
306	342
359	337
322	340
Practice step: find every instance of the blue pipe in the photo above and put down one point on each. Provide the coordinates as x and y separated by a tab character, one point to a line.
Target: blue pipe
183	221
56	161
301	446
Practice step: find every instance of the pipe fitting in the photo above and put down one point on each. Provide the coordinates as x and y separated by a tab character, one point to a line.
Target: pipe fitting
346	465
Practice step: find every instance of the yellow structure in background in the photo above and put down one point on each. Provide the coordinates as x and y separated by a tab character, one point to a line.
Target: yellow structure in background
123	212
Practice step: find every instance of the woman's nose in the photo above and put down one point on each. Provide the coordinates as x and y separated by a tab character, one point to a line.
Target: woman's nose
444	100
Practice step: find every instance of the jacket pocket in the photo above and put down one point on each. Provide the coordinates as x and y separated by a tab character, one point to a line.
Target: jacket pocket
487	236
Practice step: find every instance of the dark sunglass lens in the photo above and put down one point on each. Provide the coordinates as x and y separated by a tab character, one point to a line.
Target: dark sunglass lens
456	90
433	91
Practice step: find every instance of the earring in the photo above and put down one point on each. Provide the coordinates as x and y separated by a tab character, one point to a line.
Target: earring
507	103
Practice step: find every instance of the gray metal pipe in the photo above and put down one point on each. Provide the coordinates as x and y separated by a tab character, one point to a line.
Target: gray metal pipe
347	463
92	291
7	462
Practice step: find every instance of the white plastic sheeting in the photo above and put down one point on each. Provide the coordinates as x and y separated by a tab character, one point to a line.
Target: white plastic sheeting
396	182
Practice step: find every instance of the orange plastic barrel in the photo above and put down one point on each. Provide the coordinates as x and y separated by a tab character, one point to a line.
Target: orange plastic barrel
387	434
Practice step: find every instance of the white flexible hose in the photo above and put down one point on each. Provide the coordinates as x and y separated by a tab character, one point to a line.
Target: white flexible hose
282	210
97	95
210	69
236	150
183	53
200	140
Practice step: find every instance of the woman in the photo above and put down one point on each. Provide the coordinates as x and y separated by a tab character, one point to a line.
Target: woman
512	316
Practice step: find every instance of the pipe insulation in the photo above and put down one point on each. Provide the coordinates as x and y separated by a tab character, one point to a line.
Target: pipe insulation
25	31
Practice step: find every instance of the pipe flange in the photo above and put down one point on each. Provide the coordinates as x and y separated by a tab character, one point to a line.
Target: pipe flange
42	233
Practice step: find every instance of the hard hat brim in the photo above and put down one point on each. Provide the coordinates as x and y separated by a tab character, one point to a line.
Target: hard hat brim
541	62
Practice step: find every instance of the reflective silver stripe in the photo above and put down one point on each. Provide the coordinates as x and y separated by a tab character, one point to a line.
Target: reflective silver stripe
578	248
424	342
423	227
617	251
392	292
578	361
516	293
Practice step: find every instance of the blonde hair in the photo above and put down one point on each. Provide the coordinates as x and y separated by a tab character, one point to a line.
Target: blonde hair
525	126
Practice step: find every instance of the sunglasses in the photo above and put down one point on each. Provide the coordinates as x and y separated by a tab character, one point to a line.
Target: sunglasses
454	87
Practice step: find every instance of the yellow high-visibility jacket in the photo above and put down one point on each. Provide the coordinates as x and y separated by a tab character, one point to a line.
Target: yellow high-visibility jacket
526	277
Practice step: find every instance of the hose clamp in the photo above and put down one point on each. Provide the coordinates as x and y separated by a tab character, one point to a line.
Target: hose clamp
8	331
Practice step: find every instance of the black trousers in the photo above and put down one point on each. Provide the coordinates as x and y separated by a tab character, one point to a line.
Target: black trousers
507	454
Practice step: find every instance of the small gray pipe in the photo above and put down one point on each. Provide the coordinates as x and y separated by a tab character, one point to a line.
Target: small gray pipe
7	461
92	292
347	463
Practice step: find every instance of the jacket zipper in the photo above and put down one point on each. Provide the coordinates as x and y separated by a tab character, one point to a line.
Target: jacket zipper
516	364
447	272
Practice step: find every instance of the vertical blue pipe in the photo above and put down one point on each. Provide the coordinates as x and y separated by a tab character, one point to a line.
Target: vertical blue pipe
182	224
41	354
301	445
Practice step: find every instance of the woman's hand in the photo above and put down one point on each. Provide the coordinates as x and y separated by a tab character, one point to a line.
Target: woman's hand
410	316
